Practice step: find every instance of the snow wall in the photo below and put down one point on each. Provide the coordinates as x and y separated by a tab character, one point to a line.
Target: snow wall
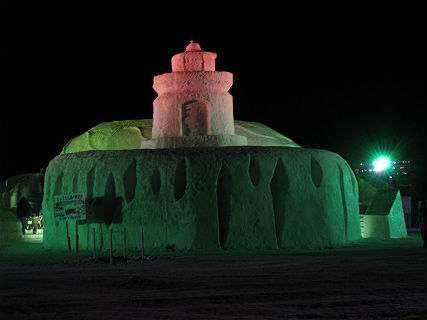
10	226
192	199
28	185
384	218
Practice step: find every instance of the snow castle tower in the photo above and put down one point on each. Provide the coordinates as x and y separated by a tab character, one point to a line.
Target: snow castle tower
193	107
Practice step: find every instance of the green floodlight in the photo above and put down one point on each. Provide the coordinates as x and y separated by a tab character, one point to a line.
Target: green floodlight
381	164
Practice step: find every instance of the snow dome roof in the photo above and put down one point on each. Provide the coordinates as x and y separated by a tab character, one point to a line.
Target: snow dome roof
128	134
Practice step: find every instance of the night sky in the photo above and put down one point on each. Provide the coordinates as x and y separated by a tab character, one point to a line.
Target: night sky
351	82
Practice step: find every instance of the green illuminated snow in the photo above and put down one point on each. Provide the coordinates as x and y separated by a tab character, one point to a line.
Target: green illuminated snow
128	134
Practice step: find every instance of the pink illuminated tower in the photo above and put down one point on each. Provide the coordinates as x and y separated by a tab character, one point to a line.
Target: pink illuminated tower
193	107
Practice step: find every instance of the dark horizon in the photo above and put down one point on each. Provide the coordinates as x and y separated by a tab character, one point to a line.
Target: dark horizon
353	89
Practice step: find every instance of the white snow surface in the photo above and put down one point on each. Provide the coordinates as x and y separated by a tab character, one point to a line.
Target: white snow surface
372	279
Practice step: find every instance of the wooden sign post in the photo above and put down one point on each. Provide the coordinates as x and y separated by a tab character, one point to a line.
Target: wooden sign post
111	245
94	243
68	236
124	243
70	207
77	235
142	244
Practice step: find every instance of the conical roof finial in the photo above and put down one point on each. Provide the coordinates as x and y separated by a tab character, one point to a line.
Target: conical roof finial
193	46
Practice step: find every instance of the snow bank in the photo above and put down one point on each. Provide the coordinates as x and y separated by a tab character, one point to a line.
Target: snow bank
10	226
193	199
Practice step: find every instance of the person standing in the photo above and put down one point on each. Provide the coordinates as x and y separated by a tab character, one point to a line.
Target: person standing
23	212
35	222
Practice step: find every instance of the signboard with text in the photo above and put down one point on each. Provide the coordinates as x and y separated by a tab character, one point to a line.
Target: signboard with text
70	207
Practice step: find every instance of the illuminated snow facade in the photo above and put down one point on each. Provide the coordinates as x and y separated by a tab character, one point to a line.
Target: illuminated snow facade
192	186
193	107
206	199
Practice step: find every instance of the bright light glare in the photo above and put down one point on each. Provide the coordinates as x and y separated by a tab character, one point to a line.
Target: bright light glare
381	164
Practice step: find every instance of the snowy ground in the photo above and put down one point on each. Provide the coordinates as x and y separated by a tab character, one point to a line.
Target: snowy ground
372	279
31	237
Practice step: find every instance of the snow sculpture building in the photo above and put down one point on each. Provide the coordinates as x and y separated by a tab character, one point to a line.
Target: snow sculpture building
194	185
381	210
194	108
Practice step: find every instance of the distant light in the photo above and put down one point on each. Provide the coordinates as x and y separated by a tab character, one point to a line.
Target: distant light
370	170
394	162
390	177
381	164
